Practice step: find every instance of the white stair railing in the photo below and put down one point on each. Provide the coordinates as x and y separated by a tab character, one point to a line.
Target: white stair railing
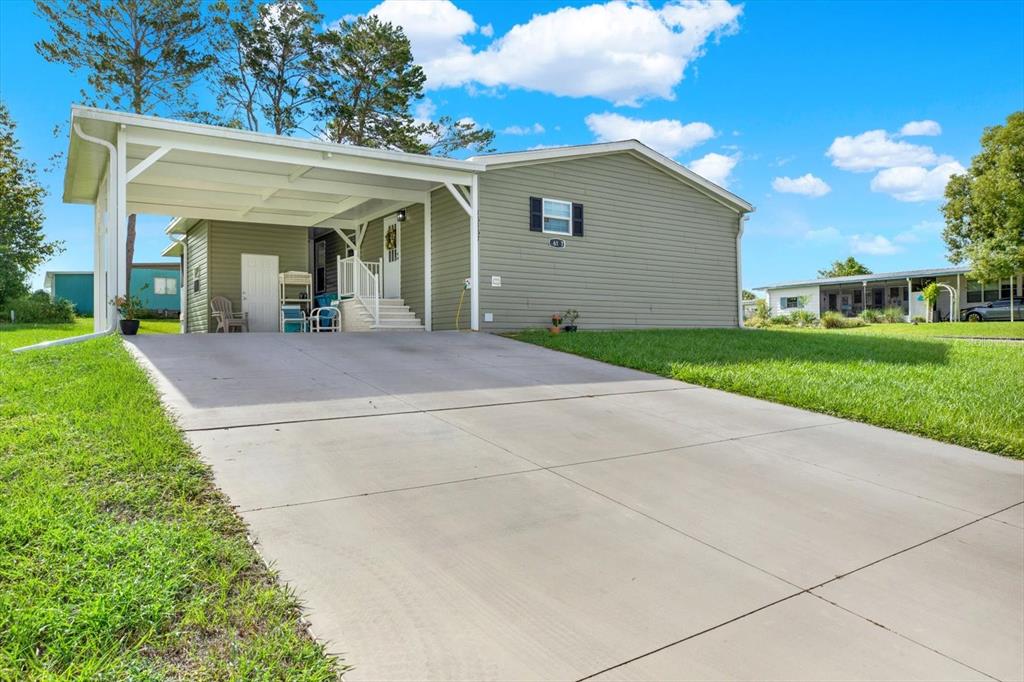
361	280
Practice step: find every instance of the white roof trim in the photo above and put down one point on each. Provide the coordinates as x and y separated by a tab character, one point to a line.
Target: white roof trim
158	123
174	249
636	147
873	277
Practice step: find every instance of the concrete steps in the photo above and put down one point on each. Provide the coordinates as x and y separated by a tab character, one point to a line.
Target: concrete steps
394	316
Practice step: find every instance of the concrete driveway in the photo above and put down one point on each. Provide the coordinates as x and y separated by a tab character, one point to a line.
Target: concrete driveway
463	506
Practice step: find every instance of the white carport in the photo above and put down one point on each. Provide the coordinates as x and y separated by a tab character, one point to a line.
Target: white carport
126	163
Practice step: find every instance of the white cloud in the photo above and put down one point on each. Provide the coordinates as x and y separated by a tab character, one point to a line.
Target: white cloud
623	52
926	230
487	30
873	245
715	167
434	27
878	149
668	136
424	110
925	128
825	234
535	129
807	185
915	183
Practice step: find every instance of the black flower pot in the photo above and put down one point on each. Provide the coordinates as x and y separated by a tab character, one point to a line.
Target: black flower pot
569	328
129	327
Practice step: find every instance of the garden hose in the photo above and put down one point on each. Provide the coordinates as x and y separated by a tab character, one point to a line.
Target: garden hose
458	311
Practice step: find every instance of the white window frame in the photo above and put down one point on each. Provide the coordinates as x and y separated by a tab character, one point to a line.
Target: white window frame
544	215
165	281
784	303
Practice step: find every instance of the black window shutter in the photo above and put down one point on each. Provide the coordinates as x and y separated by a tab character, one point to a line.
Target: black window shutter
536	215
577	220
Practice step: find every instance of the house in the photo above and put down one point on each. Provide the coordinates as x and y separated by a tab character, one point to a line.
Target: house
855	293
156	285
497	242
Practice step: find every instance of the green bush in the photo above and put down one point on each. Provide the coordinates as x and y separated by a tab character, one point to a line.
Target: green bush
835	320
39	308
872	316
802	318
893	314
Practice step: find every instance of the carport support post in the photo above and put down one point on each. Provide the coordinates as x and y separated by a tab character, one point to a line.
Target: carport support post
121	212
474	253
427	275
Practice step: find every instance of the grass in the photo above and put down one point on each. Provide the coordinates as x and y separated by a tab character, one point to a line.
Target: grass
118	558
988	330
964	392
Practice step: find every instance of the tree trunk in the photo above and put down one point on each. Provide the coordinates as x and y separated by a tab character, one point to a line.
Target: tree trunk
129	248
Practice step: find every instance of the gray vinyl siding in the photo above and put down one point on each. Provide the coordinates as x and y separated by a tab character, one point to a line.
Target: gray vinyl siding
197	313
227	241
449	247
655	253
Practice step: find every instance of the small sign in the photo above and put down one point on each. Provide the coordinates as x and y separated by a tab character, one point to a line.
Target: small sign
556	243
495	280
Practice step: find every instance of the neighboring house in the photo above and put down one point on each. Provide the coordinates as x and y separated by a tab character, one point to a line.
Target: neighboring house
71	285
851	295
624	235
156	285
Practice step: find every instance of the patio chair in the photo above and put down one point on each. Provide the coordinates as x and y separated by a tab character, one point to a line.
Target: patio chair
293	319
326	317
227	318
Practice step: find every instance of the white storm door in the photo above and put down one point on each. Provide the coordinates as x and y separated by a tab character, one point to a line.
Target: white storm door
260	292
392	264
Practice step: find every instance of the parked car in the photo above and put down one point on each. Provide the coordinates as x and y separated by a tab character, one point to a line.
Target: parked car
996	310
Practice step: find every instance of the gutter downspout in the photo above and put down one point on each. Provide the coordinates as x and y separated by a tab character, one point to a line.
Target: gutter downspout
110	206
739	267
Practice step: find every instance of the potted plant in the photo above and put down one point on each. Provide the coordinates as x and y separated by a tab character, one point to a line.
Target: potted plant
571	315
129	308
556	323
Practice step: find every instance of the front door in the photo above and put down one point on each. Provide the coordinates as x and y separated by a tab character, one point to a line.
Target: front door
260	292
392	275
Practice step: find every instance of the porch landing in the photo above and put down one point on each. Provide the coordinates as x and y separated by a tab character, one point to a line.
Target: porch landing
463	506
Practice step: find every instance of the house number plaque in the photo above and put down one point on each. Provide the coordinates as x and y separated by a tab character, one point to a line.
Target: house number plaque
556	243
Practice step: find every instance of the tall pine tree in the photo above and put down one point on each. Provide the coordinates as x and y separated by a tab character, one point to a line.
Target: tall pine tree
139	55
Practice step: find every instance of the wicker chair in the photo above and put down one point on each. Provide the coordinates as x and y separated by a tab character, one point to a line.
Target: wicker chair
226	318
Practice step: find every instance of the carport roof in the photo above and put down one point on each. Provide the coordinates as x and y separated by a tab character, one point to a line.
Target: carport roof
873	277
200	171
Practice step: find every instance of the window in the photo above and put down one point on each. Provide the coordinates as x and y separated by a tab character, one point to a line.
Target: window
557	216
165	286
1004	290
789	302
197	282
857	297
978	292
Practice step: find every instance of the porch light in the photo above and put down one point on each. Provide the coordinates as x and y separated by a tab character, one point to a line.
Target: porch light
400	216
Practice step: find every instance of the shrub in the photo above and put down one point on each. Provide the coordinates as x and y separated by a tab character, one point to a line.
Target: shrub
802	318
893	314
835	320
872	316
918	319
780	320
36	308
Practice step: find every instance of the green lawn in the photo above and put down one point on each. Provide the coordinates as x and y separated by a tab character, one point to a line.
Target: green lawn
990	330
965	392
118	558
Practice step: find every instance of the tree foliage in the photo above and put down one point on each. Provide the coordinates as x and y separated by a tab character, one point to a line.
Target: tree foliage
140	55
143	55
844	268
262	62
984	207
365	84
23	246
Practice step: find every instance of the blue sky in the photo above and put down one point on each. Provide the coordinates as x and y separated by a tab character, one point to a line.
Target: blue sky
799	107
